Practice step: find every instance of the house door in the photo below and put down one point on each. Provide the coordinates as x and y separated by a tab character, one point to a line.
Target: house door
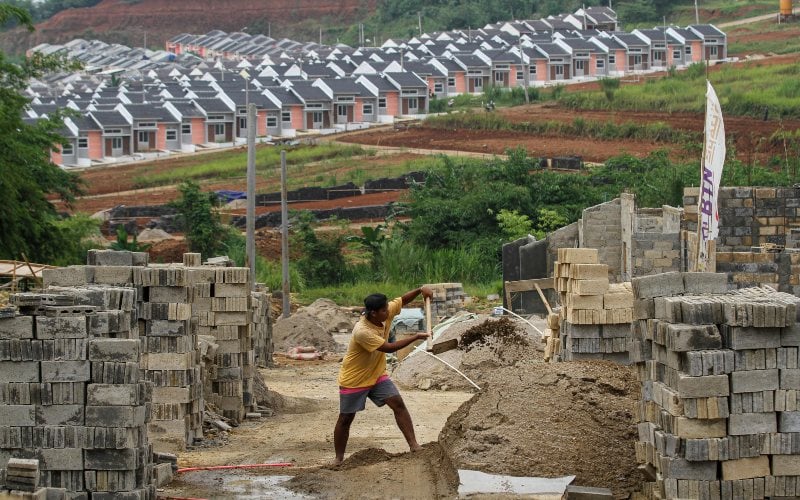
637	61
341	113
143	140
242	126
477	84
580	68
116	146
316	119
413	106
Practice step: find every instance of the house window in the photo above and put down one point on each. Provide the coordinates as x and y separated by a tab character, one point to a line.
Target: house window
412	103
381	103
580	65
612	59
451	81
186	128
83	143
601	64
532	70
688	50
113	131
316	116
368	108
219	129
172	134
658	55
438	87
520	75
272	121
477	83
67	150
676	54
714	50
216	117
144	136
499	76
559	70
116	143
286	116
147	124
242	123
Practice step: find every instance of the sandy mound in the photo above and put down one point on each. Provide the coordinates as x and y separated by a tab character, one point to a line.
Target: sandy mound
153	235
302	329
485	344
375	473
332	317
549	420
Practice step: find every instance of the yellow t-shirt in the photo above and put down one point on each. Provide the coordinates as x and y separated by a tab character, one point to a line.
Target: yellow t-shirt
364	364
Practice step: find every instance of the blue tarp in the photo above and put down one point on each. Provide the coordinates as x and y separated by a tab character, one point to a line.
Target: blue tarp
229	196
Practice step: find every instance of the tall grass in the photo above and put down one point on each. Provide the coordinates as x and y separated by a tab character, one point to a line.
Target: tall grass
748	89
235	165
607	130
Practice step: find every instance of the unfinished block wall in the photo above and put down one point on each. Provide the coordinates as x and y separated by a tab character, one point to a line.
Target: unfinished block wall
780	270
72	395
600	227
595	315
720	377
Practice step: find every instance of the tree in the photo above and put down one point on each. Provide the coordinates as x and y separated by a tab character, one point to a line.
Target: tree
28	221
202	227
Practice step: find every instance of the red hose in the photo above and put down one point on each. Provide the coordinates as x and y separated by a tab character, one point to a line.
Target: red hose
245	466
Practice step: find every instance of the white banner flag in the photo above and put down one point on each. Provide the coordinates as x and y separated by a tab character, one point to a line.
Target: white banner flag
713	160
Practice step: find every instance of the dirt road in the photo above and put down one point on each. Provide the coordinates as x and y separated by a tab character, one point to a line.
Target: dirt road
302	434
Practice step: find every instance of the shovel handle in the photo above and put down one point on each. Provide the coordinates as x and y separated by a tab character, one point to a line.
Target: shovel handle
428	326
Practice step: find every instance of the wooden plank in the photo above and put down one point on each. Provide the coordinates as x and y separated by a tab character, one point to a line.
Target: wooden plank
541	296
529	285
444	346
428	325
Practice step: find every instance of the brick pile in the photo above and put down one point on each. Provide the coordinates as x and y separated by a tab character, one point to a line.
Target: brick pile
595	314
720	374
262	328
170	359
448	299
71	393
221	301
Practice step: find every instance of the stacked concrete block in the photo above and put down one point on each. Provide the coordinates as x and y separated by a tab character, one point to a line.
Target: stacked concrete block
170	360
595	315
719	372
71	395
262	328
552	336
221	301
448	299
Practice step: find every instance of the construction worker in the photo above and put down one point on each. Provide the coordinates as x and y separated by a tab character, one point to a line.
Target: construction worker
363	371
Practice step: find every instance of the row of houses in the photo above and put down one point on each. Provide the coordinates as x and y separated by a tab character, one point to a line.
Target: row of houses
134	103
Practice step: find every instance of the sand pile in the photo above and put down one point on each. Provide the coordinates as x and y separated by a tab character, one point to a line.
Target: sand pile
332	317
549	420
302	329
485	343
376	474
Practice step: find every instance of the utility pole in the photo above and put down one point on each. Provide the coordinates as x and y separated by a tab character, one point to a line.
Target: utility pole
284	239
524	72
320	35
251	192
419	22
145	39
696	13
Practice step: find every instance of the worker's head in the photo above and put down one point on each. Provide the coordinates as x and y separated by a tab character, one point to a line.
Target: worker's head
376	307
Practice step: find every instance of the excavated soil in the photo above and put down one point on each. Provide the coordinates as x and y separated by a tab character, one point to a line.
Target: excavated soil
485	344
302	329
550	420
375	473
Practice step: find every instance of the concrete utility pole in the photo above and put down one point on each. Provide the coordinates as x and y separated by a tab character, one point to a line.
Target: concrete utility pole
251	192
696	13
419	22
524	72
284	238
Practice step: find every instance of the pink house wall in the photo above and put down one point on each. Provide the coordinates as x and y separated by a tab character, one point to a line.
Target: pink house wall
297	117
161	136
359	110
592	64
393	103
541	70
198	131
461	82
261	122
95	138
55	155
622	57
697	51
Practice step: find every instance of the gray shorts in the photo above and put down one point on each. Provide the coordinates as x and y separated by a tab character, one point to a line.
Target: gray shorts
378	394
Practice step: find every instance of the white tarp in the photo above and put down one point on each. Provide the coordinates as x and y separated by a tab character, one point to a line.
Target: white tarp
713	160
473	482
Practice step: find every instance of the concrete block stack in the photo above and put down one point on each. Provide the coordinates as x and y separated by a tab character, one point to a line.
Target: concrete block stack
720	375
448	299
262	328
170	360
595	315
221	301
552	336
71	395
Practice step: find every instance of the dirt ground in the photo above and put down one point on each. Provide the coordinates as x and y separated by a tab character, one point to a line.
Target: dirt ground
530	418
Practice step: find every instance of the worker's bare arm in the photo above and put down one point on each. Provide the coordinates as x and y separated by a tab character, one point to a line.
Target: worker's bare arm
399	344
412	294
